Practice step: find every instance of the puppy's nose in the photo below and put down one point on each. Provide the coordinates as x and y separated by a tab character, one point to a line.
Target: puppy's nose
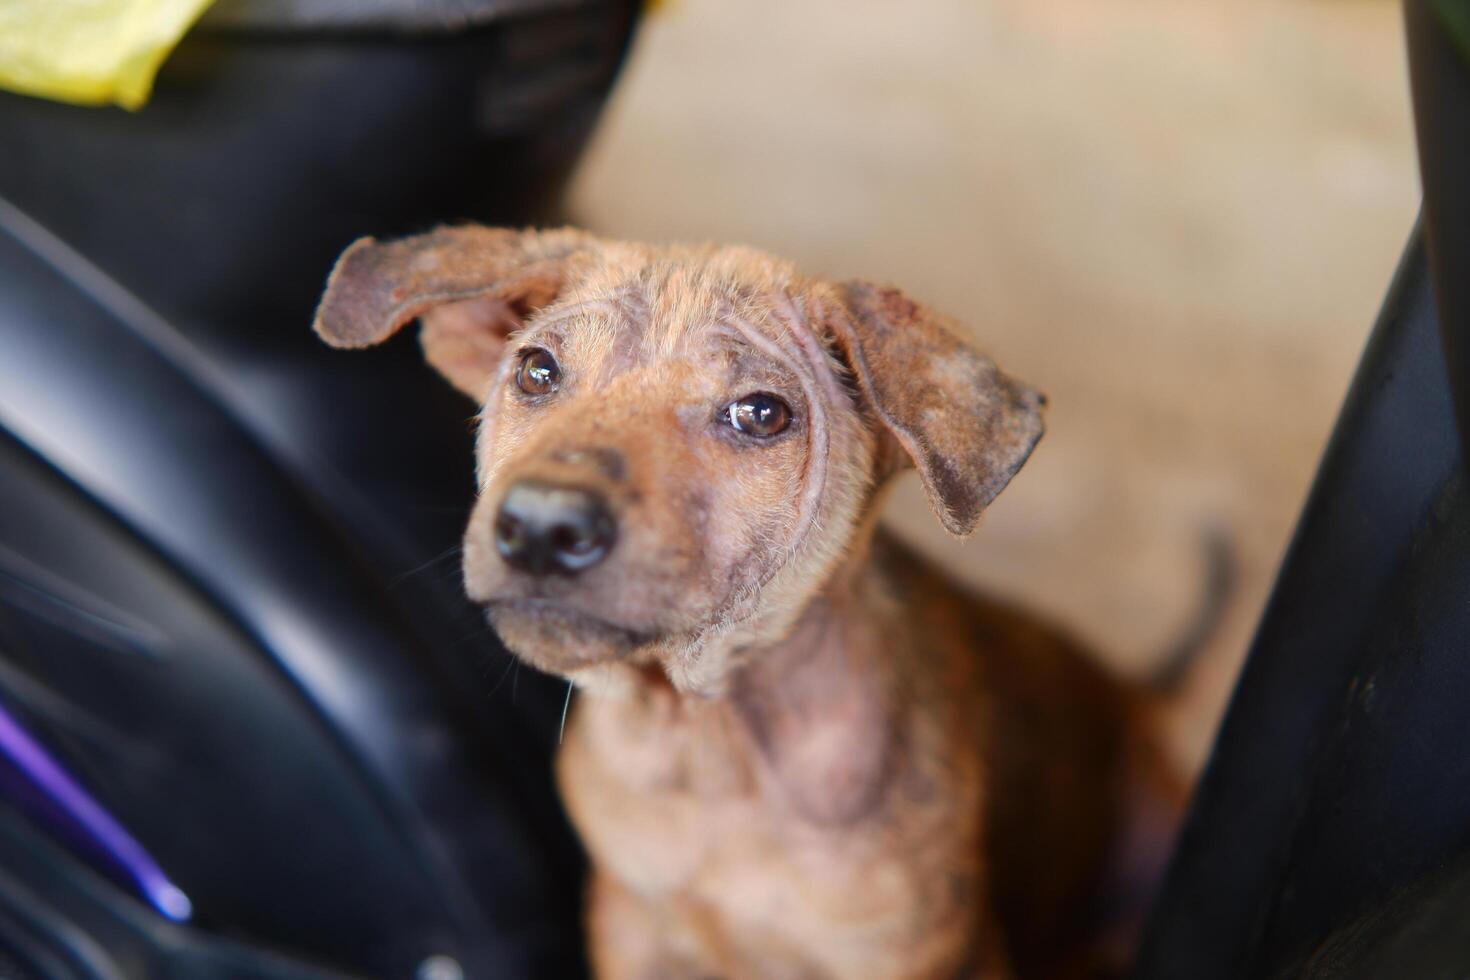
546	529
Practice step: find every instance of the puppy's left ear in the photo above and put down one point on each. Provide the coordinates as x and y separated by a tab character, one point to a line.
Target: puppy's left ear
966	426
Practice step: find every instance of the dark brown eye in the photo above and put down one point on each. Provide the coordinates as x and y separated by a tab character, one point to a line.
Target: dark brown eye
759	415
538	372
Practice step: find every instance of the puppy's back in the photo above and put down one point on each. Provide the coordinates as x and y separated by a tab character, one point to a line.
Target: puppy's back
1055	733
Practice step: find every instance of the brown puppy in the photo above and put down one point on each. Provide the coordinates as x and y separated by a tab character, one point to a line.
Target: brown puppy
804	752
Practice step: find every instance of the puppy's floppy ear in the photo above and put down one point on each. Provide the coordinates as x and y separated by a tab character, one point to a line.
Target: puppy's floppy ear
470	286
966	426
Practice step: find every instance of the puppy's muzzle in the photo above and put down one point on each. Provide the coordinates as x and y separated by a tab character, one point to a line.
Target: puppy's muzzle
547	529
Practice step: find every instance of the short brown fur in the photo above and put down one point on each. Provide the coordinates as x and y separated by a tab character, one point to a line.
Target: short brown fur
803	751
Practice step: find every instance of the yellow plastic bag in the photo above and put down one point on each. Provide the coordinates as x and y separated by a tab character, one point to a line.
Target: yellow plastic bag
90	51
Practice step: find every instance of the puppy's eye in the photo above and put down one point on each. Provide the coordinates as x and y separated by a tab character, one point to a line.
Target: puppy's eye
759	415
538	372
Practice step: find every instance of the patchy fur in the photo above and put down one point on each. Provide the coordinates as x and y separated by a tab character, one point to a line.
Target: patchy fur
804	752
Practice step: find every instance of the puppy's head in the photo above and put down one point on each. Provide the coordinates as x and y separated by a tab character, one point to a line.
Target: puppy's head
677	446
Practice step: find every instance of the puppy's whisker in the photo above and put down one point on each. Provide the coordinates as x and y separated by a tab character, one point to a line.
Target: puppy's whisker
472	635
418	569
436	509
509	666
453	574
561	735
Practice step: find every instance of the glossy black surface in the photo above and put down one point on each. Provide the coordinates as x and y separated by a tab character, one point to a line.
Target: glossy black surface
229	595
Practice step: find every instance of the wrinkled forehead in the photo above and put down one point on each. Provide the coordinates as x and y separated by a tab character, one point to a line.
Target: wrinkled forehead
724	307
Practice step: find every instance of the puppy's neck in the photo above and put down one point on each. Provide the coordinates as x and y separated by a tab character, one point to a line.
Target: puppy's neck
822	706
813	718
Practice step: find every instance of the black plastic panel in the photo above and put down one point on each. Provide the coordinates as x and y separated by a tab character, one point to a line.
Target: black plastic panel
229	595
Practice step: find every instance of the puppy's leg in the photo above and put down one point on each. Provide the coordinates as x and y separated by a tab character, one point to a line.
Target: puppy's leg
1153	798
989	961
629	939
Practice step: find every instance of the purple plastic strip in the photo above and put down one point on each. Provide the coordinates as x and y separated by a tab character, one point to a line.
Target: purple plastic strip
74	806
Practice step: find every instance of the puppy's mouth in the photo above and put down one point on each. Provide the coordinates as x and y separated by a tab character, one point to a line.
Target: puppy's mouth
556	637
552	609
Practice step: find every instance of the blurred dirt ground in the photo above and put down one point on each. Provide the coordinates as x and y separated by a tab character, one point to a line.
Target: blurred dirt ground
1176	217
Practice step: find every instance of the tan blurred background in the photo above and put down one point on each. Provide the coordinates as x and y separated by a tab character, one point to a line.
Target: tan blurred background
1176	217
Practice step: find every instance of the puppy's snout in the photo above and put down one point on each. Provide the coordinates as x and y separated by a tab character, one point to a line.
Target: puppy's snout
545	529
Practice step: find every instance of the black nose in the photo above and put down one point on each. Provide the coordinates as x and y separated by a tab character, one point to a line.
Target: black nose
545	529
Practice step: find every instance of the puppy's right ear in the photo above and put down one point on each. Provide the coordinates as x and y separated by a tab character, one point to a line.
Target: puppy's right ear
470	287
